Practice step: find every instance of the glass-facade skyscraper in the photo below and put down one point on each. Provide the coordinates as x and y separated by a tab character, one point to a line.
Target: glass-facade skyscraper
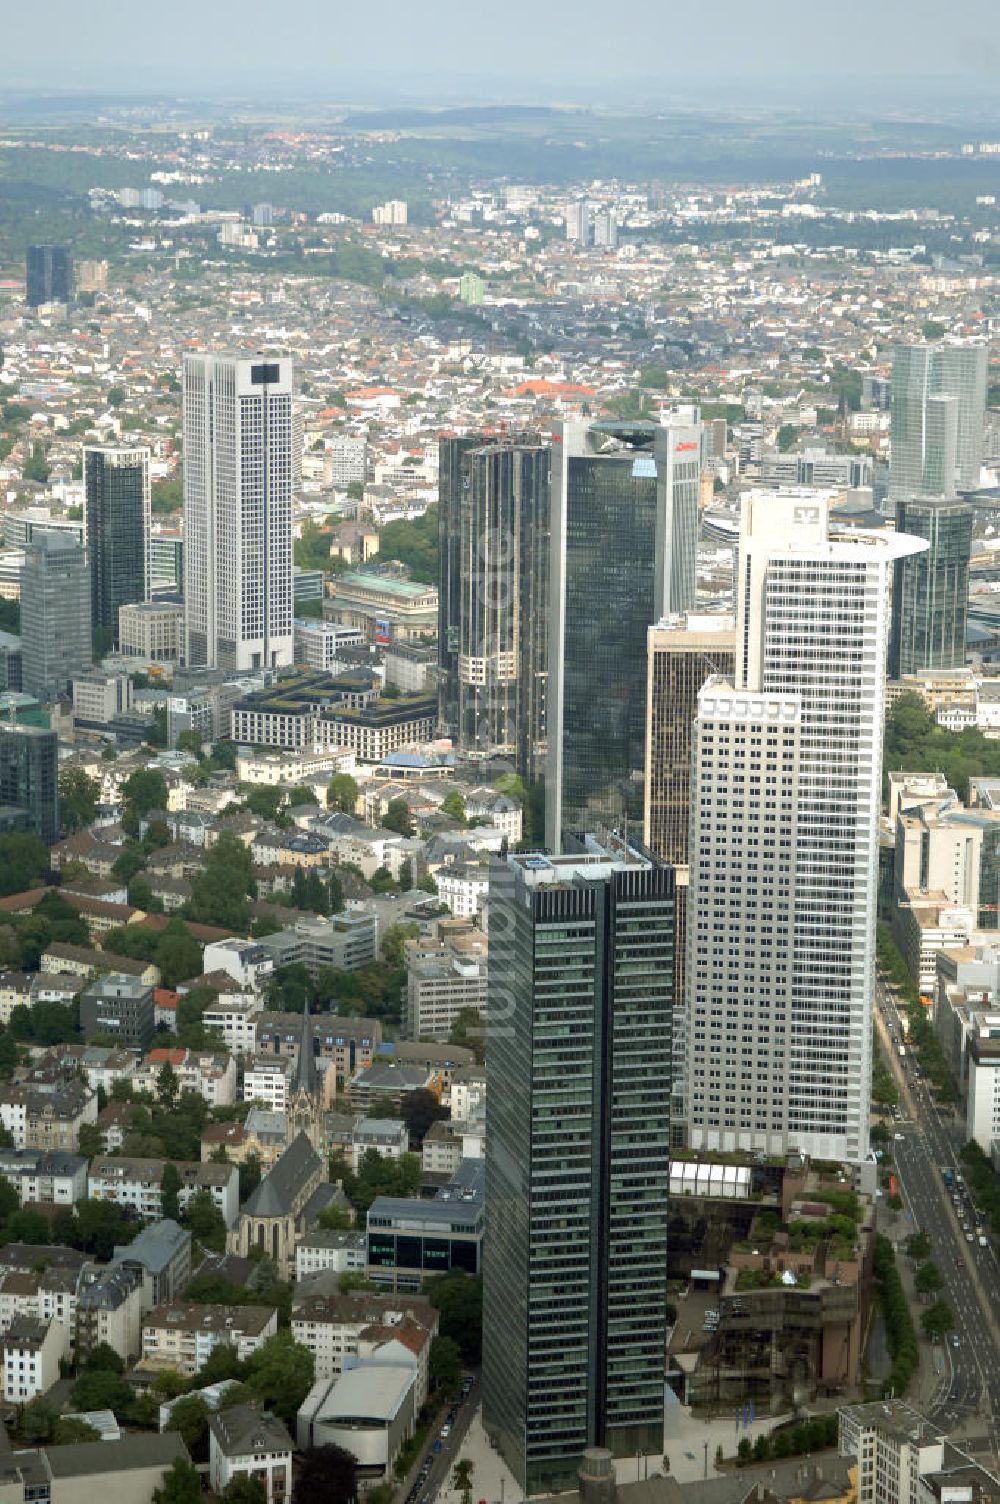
577	1175
930	593
116	484
49	276
938	418
624	551
55	614
29	780
494	654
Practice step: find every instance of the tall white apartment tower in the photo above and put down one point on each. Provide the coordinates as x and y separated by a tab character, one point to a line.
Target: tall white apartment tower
785	794
238	511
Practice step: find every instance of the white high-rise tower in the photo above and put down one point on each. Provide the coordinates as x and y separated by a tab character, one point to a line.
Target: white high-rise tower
238	511
785	796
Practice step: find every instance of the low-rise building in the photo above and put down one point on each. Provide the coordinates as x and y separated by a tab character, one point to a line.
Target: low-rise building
342	1252
120	1006
902	1458
51	1175
410	1238
268	1080
47	1114
340	1329
162	1255
207	1073
247	961
244	1441
344	942
345	1044
153	630
386	1136
446	975
463	888
138	1183
389	1081
370	1411
182	1336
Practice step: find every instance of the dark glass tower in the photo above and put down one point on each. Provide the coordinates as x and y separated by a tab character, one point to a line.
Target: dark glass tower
29	781
55	614
500	615
451	454
118	527
578	1099
624	547
49	275
930	593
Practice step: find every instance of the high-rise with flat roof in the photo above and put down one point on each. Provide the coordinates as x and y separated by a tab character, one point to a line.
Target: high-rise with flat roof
785	800
55	614
938	418
116	485
930	593
577	1120
49	275
238	511
624	537
29	779
495	658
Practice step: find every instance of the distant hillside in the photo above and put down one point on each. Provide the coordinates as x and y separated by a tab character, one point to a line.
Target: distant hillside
491	114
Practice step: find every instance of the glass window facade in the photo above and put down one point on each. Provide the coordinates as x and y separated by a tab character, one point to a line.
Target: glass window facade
931	589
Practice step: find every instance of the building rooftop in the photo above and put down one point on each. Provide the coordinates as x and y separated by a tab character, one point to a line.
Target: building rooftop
277	1193
245	1428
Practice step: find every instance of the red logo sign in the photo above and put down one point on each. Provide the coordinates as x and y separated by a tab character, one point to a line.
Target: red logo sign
691	444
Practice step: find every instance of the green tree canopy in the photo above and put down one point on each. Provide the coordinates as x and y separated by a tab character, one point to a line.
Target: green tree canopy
342	793
181	1485
78	796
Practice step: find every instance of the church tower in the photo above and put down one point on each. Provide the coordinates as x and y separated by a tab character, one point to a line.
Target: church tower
305	1103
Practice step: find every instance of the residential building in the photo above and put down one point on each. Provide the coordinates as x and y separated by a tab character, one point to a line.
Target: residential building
247	963
49	275
109	1307
386	1136
50	1175
318	644
55	614
341	1252
340	1329
29	780
497	492
624	537
46	1114
162	1254
208	1073
138	1183
244	1441
346	1045
581	989
30	1353
785	798
99	698
238	511
181	1336
446	975
930	591
938	418
463	887
121	1006
153	630
117	498
344	942
270	1081
903	1459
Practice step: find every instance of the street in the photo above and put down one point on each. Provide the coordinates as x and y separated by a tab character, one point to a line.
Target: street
442	1461
924	1145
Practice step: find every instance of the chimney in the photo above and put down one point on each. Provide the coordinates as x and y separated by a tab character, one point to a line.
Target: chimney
597	1477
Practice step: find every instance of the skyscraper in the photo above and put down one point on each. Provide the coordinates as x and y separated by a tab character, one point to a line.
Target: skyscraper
116	482
451	478
55	614
624	549
930	593
501	615
785	798
683	652
936	448
29	781
49	275
238	511
577	1176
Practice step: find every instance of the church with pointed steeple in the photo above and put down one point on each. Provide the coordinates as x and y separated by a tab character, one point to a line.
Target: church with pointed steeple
305	1098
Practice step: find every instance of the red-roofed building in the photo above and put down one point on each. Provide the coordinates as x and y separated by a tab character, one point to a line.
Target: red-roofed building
165	1008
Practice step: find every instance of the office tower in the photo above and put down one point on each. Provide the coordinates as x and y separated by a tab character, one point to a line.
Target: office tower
785	798
936	451
55	614
493	650
577	1102
876	394
606	229
116	484
580	223
682	653
624	550
49	275
29	781
238	511
930	593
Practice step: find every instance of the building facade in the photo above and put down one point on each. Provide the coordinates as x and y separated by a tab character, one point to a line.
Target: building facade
55	614
29	778
624	537
938	418
49	275
785	798
577	1107
116	484
930	593
238	511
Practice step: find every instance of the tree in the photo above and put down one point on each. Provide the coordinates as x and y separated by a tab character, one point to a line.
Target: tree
394	943
462	1478
38	1420
206	1222
69	1430
129	864
414	544
170	1186
244	1489
342	793
335	890
102	1390
445	1365
191	741
143	790
78	796
65	923
223	1362
280	1373
166	1092
453	805
459	1298
264	801
189	1418
332	1218
221	889
787	434
918	1246
405	876
938	1319
181	1485
103	1359
419	1109
327	1475
928	1279
24	862
397	817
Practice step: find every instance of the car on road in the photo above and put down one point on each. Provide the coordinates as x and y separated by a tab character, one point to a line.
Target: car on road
959	1263
954	1339
899	1137
437	1445
445	1431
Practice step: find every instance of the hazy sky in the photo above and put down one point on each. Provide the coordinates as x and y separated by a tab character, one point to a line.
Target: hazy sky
349	49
